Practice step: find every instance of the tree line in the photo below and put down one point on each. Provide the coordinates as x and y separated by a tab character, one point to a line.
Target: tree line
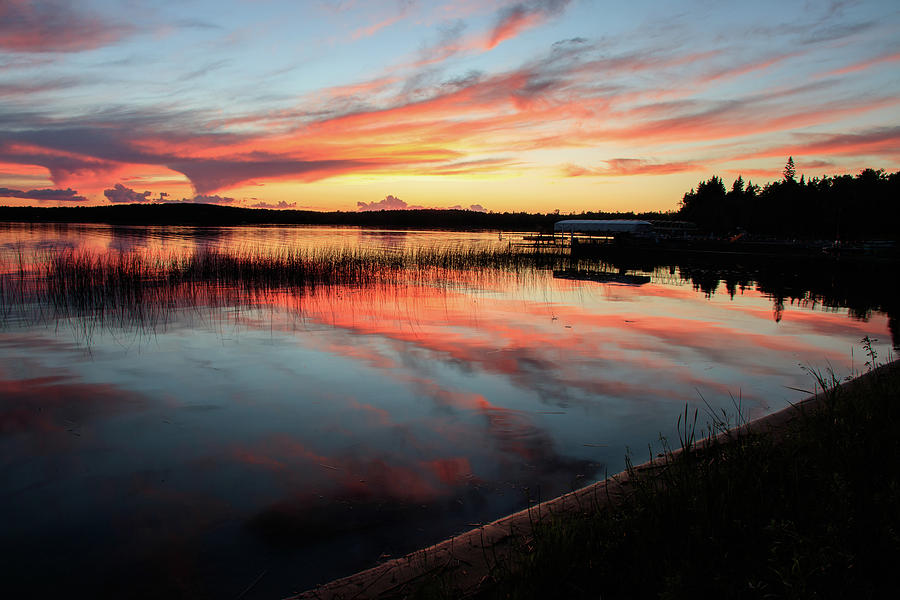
840	207
214	215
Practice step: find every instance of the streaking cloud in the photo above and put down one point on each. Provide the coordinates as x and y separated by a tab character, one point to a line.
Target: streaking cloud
540	104
54	26
632	166
515	19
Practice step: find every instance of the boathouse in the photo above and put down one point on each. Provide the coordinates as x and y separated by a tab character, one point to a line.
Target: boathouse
612	228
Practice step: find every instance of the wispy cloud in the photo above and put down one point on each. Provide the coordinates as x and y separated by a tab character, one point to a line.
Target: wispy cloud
551	102
370	30
864	65
55	26
632	166
510	21
513	20
883	141
470	167
444	109
26	89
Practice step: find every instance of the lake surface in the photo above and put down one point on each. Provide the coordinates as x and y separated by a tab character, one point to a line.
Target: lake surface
220	441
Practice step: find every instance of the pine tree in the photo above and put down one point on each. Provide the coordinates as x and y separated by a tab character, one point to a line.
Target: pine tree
789	171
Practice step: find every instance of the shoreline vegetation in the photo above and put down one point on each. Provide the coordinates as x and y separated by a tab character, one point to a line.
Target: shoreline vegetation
146	285
143	289
841	207
800	504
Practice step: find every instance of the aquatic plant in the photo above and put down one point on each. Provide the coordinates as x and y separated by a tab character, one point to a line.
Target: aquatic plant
144	289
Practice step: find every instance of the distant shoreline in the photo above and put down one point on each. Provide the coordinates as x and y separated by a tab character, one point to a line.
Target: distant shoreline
211	215
215	215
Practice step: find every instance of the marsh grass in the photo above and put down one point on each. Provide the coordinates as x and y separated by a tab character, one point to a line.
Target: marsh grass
146	291
811	512
83	282
123	275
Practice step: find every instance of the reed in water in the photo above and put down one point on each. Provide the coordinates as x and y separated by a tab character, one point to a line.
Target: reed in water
144	287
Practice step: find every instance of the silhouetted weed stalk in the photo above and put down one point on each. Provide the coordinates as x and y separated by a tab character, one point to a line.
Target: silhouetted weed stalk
143	288
809	510
120	273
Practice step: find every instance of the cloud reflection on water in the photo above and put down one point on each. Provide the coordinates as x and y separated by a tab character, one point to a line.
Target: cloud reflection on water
351	421
556	348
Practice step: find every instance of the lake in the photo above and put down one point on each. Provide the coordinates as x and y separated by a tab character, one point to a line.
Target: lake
226	440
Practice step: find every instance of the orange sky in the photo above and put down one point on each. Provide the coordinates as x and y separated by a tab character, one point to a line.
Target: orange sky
505	106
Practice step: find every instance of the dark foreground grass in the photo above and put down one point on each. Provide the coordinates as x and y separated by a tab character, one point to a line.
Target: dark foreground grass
813	512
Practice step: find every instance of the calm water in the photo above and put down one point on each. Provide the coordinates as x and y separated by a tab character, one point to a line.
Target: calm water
223	442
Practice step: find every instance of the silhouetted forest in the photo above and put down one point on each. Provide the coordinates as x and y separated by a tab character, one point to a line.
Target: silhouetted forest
840	207
845	207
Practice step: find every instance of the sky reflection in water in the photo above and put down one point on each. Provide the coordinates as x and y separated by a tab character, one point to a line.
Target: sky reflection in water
304	435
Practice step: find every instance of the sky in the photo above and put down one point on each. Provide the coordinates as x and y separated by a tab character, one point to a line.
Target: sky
530	105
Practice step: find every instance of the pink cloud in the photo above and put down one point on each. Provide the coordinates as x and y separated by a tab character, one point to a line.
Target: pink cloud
865	65
394	203
883	141
371	30
515	19
571	97
632	166
732	72
121	194
388	203
280	205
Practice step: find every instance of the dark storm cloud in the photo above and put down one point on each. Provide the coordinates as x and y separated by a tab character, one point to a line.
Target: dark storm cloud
45	195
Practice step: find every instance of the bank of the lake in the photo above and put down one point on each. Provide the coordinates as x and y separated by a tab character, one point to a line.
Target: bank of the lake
801	503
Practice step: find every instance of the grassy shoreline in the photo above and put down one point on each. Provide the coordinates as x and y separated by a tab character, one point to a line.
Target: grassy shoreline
810	512
800	504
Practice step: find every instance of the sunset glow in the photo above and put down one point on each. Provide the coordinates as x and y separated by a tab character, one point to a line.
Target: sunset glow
503	105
